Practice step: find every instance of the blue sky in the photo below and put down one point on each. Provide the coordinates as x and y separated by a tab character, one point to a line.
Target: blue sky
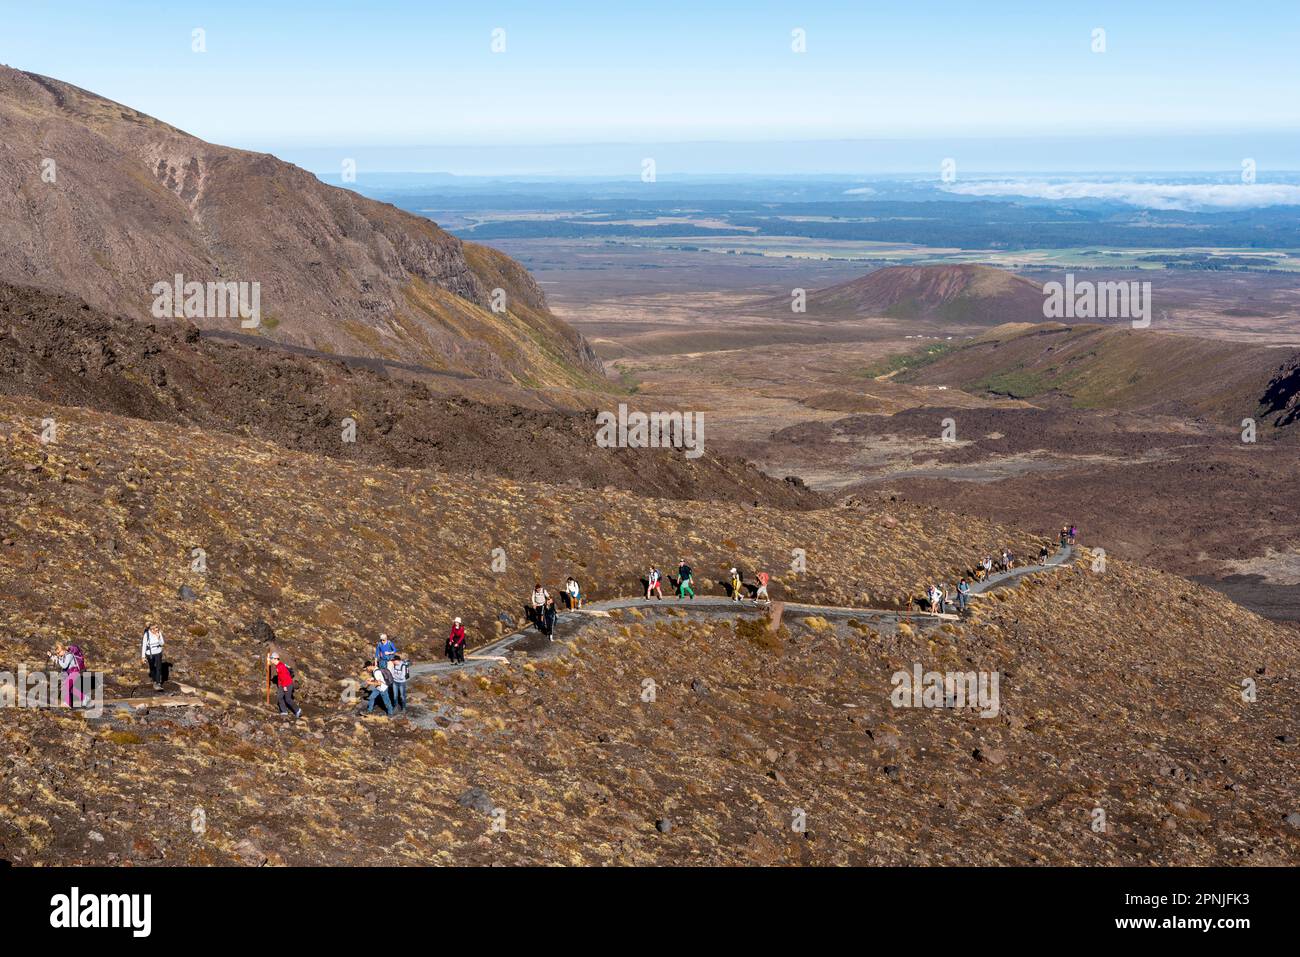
352	75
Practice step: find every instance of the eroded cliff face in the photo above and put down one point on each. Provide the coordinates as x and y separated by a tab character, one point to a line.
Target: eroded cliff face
103	202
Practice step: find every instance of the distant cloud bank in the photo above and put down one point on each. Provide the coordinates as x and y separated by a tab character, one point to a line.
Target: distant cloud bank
1186	196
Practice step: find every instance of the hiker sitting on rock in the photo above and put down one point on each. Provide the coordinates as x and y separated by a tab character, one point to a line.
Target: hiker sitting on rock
936	597
572	593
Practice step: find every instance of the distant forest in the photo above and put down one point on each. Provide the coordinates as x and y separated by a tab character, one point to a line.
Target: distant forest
967	224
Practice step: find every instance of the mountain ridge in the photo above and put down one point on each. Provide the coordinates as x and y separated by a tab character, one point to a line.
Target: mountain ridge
102	202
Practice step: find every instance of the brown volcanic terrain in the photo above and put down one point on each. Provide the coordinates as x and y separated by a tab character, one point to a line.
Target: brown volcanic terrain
1115	367
1120	689
957	296
64	353
1135	435
135	202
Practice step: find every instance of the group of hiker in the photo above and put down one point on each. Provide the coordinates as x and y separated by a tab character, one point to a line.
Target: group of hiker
386	672
385	675
736	587
941	599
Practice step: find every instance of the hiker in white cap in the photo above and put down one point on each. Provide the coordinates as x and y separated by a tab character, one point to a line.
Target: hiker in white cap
456	643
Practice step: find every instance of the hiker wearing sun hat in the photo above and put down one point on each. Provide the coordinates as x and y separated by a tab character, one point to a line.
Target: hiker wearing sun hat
456	643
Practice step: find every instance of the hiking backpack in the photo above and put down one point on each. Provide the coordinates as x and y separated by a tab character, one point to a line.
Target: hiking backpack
77	656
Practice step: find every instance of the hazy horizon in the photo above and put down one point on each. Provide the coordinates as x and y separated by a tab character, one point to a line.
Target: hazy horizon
1182	90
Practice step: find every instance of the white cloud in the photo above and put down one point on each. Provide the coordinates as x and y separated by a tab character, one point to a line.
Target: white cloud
1184	196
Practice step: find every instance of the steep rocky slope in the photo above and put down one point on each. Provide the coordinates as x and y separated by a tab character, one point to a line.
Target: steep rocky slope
1121	688
62	352
1115	367
103	202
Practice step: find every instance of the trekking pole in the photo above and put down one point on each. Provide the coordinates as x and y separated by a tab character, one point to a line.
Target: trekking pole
267	671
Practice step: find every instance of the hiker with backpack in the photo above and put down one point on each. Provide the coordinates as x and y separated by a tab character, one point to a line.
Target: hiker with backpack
761	594
282	677
1074	533
456	643
1042	554
737	586
385	650
540	597
376	678
71	663
963	595
549	614
572	594
653	584
151	650
400	672
685	583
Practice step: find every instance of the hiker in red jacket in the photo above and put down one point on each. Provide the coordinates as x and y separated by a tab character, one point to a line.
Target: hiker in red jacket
456	643
761	594
283	679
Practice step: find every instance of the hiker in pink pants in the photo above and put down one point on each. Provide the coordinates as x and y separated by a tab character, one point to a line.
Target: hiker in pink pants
71	661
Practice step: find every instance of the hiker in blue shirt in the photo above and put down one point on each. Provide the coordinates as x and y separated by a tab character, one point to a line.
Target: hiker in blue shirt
963	595
385	651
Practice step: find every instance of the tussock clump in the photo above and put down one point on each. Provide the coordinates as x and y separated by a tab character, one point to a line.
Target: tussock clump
756	631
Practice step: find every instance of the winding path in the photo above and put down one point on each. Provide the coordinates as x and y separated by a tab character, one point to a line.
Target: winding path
493	653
